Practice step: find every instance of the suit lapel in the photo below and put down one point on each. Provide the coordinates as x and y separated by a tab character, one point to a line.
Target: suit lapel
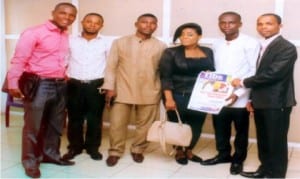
268	50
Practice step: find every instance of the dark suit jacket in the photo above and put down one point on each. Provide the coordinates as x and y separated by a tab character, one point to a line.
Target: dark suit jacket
273	84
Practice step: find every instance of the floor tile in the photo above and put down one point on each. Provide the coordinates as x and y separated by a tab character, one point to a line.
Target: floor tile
156	165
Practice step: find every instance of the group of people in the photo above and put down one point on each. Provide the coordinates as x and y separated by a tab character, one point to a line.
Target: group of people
85	73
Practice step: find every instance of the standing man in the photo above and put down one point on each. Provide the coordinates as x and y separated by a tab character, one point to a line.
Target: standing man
236	56
132	85
42	50
273	96
86	72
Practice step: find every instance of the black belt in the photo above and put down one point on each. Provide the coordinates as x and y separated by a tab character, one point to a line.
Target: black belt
86	81
52	79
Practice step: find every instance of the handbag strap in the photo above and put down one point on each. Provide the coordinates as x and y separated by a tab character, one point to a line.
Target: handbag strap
163	136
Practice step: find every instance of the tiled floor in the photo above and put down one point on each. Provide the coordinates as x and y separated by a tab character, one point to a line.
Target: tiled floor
155	165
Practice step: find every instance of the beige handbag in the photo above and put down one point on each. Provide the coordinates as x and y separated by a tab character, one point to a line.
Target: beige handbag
167	132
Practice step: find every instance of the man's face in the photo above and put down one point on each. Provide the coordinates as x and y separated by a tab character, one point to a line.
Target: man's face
64	16
146	25
92	24
229	24
267	26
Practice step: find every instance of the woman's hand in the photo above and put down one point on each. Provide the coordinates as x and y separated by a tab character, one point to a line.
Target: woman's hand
170	104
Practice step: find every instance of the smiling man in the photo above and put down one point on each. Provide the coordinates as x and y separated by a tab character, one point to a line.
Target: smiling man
42	50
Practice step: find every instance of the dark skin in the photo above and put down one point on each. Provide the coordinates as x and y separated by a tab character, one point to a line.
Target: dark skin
229	25
145	27
91	25
63	16
267	26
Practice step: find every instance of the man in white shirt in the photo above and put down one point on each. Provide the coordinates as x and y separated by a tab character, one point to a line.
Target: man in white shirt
86	66
235	55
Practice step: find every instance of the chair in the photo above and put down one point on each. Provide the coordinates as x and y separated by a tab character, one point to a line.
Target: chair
11	101
15	102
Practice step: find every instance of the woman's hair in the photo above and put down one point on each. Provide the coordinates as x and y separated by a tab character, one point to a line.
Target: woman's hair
192	25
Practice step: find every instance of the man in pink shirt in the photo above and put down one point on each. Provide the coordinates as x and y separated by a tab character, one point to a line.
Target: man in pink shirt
42	50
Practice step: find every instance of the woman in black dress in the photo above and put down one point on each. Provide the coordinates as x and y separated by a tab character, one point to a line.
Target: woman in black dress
179	68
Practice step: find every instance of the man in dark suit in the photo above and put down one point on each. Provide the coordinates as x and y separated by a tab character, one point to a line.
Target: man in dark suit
272	97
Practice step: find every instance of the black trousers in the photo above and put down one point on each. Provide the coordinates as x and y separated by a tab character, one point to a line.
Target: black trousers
84	102
193	118
272	129
43	123
222	124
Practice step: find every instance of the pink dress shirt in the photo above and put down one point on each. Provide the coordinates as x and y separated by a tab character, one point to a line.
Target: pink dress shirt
42	50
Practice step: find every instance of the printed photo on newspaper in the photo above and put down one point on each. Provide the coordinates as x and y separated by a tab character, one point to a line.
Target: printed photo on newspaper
210	92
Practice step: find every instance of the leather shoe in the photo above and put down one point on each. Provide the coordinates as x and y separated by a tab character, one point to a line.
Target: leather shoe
137	157
33	172
256	174
181	158
236	168
70	155
96	155
216	160
195	158
112	160
59	162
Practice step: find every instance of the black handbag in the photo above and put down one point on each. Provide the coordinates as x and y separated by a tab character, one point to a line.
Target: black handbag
28	85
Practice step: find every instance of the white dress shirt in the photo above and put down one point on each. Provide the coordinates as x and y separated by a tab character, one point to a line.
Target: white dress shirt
237	58
87	59
264	44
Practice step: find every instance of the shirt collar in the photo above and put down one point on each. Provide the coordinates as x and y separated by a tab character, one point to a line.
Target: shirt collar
99	36
265	42
53	27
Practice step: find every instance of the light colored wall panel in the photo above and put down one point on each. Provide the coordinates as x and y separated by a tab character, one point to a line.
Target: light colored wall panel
22	14
120	15
291	25
10	49
206	13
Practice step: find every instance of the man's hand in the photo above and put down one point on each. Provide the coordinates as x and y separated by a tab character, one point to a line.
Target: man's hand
109	97
231	99
16	93
236	83
250	108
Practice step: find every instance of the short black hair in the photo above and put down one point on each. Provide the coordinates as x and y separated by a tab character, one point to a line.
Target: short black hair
277	17
147	15
192	25
64	4
231	13
94	14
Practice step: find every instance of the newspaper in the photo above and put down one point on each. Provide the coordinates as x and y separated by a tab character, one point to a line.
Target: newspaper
210	92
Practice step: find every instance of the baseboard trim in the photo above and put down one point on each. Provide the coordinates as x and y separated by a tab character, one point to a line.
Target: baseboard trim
205	135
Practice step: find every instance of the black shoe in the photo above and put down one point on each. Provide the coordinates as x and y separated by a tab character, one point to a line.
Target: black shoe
96	156
33	172
195	158
71	154
217	159
236	168
181	158
259	173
